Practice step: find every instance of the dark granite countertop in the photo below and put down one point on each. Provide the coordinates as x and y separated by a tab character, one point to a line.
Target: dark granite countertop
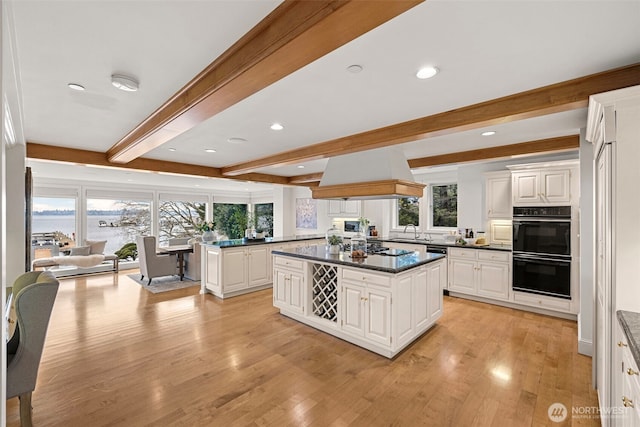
630	323
386	264
448	245
269	240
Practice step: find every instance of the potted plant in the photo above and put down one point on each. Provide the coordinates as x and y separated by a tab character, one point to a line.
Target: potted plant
334	244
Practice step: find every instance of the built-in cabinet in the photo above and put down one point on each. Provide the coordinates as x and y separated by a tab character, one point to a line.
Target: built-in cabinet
382	312
480	272
498	195
288	284
346	208
613	128
541	186
625	383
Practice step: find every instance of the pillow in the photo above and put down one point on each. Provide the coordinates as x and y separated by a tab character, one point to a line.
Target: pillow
97	246
81	250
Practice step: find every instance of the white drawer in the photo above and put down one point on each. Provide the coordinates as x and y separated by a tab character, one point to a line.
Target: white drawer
541	301
288	262
364	276
462	253
486	255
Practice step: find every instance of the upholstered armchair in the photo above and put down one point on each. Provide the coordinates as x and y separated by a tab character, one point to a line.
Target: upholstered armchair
154	265
33	296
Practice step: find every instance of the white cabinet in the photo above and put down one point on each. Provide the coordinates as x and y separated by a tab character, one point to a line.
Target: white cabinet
498	195
480	272
288	284
367	312
235	270
347	208
625	384
541	186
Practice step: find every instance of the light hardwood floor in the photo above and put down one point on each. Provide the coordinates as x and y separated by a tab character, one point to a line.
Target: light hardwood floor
117	355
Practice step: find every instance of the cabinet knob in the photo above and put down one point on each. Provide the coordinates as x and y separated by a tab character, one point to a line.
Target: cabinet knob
628	403
632	372
621	344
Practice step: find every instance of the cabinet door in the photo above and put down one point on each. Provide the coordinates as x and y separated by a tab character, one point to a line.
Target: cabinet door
462	275
212	270
234	276
436	277
280	280
295	293
556	186
493	280
335	207
258	265
526	187
352	309
499	197
352	207
407	300
378	315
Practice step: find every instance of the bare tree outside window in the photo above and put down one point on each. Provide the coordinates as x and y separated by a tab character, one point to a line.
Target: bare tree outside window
179	219
264	218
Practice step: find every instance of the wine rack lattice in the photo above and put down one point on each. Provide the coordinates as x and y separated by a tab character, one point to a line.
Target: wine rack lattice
325	292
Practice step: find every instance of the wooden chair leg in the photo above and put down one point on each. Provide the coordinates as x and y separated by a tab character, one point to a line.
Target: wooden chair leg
25	410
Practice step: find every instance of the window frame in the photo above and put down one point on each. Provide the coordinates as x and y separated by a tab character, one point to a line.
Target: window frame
429	207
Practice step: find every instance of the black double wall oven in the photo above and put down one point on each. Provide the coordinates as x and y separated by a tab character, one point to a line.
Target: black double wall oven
542	250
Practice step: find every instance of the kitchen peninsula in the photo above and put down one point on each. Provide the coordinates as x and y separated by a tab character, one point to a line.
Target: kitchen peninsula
381	303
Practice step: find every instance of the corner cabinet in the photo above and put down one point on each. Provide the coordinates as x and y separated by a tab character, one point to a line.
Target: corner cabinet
541	186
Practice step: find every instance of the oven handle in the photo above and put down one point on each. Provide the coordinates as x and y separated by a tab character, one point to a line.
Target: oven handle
530	220
548	260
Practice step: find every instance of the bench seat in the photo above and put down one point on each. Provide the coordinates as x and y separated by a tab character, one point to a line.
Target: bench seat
44	263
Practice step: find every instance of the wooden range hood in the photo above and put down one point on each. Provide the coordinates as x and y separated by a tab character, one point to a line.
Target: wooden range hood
375	174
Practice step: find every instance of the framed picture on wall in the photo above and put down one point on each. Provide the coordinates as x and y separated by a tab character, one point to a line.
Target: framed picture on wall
307	213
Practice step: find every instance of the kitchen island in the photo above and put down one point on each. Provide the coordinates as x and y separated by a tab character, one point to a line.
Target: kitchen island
381	303
239	266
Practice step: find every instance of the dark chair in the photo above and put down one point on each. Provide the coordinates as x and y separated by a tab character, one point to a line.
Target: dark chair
33	296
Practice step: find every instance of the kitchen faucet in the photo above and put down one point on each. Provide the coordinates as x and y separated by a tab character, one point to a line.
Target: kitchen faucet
415	231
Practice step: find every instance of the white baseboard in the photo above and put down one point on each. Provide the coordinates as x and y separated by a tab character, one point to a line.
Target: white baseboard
585	347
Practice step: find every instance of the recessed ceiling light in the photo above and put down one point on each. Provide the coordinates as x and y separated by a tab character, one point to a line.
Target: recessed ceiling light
235	140
210	150
277	126
488	133
172	149
355	68
128	84
75	86
426	72
300	167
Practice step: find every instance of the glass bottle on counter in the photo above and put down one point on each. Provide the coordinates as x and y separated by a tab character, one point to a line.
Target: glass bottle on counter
358	246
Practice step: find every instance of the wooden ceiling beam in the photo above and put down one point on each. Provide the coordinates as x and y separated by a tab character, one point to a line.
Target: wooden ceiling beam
559	97
304	179
562	143
86	157
295	34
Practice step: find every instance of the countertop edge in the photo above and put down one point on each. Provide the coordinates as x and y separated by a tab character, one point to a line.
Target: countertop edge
630	322
435	257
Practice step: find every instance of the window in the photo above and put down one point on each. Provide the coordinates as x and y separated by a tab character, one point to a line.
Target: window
179	219
231	219
444	205
53	225
117	221
408	211
264	217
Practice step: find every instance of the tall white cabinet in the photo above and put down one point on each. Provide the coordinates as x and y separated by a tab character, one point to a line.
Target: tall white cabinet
614	129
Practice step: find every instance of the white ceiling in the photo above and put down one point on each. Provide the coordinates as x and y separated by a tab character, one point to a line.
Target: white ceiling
484	49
